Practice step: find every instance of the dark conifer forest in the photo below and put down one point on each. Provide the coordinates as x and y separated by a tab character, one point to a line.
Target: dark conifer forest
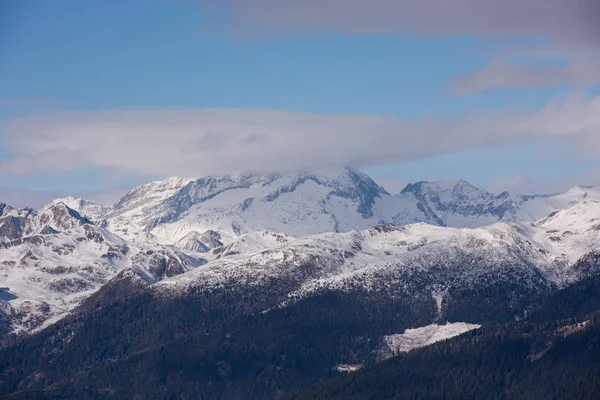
218	345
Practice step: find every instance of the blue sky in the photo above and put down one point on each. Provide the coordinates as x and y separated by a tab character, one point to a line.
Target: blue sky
69	57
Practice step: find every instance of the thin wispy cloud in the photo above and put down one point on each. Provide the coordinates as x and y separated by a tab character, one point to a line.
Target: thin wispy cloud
219	141
560	20
565	24
503	74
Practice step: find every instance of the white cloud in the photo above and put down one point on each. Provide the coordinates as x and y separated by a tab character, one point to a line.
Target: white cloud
215	141
503	74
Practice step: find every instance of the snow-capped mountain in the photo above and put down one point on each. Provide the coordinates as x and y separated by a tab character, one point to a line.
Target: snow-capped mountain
52	259
308	231
458	203
296	203
175	211
91	209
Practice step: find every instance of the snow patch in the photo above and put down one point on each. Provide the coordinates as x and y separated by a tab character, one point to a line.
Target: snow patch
420	337
347	368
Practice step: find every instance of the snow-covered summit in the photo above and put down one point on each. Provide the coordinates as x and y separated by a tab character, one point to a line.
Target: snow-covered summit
443	201
299	203
294	202
87	208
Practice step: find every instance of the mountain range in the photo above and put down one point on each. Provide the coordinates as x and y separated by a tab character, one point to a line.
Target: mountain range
180	259
56	257
303	203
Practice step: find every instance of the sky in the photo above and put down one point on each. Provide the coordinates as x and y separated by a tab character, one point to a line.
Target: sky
96	97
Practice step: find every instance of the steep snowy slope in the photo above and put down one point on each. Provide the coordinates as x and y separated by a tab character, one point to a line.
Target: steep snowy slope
533	208
295	203
570	233
129	216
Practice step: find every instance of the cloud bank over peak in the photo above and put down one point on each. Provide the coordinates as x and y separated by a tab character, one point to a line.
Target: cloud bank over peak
197	142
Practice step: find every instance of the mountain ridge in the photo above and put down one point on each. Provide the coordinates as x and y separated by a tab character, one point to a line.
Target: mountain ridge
240	220
300	203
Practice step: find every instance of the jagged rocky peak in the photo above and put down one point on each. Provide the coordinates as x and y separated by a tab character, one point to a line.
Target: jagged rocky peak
460	197
5	209
445	190
51	219
87	208
61	217
385	227
359	187
13	222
